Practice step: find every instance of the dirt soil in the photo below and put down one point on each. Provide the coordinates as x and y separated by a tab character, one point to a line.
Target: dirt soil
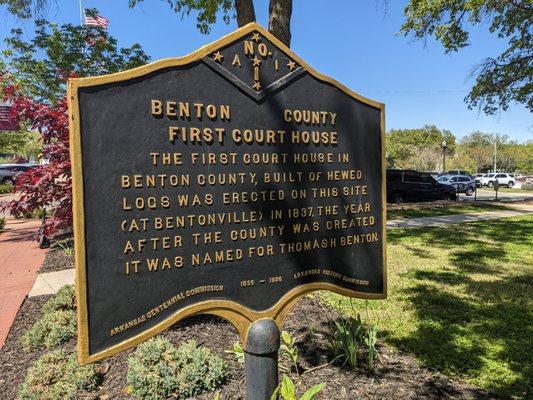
397	376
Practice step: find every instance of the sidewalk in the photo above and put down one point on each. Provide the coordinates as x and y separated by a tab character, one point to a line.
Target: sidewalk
20	259
442	220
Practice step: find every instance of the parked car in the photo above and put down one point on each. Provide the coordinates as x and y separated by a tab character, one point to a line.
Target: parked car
410	185
484	180
459	172
9	172
508	180
461	183
502	178
477	179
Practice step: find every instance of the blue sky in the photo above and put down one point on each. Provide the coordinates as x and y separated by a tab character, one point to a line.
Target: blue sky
355	42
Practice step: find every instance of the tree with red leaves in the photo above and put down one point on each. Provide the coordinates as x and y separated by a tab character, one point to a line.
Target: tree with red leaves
33	80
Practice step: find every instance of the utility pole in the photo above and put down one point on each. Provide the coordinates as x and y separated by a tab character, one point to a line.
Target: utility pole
444	156
81	12
495	149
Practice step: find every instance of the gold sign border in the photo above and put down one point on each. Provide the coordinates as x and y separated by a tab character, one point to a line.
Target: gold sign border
240	316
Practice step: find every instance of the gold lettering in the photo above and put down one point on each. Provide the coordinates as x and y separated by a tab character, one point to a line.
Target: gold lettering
171	109
236	60
248	47
157	107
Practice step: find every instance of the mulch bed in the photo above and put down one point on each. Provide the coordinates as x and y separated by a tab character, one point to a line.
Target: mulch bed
56	258
396	376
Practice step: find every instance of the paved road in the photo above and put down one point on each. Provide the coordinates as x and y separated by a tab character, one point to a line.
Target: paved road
489	194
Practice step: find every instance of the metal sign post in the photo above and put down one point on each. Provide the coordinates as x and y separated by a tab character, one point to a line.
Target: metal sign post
261	359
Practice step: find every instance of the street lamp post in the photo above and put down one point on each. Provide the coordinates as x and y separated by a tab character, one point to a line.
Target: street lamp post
444	156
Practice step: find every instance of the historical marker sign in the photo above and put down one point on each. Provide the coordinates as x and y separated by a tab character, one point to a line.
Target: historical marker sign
230	181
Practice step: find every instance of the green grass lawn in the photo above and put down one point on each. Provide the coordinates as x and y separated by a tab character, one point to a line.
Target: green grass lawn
460	300
443	210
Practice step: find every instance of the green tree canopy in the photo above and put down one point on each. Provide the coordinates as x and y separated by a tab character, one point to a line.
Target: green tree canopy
419	148
206	11
25	9
477	150
21	143
501	80
43	64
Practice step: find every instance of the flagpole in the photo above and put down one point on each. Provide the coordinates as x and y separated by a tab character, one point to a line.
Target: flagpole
81	12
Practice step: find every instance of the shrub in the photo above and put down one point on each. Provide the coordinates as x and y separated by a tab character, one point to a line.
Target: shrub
40	213
158	370
50	331
6	188
64	299
57	375
28	214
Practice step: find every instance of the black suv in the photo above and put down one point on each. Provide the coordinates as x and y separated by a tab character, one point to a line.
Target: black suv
409	185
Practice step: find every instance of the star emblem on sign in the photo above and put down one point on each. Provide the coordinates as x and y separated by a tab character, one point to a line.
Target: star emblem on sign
256	61
292	65
218	57
255	64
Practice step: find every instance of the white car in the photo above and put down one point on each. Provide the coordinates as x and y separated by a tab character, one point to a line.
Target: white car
502	178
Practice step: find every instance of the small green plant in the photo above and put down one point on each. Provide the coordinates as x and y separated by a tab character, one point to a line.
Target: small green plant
29	215
2	223
289	349
287	390
348	337
40	213
370	341
57	375
69	251
50	331
343	342
158	370
237	351
6	188
64	299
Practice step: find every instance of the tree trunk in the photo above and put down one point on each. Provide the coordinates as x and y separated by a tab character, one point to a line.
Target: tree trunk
279	23
245	12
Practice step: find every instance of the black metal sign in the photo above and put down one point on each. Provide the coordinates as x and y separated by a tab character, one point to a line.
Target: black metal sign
230	181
